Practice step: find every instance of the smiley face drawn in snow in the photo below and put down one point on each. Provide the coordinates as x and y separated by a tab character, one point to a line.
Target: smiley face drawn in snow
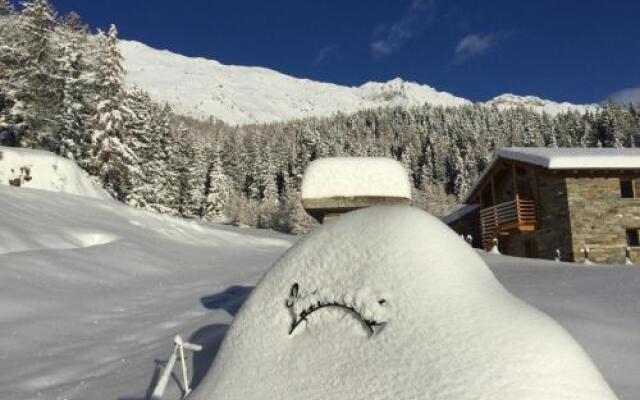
369	312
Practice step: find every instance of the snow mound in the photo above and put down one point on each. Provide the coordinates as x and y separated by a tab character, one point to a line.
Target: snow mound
536	104
48	172
388	303
355	176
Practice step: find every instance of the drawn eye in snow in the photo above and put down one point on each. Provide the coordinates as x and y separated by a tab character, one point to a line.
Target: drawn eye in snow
303	305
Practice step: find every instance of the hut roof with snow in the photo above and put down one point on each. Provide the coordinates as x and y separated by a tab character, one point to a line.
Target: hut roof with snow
333	186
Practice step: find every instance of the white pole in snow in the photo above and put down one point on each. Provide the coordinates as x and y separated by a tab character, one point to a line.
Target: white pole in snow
178	348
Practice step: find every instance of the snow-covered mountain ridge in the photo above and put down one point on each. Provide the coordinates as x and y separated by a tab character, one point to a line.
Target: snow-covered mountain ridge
241	95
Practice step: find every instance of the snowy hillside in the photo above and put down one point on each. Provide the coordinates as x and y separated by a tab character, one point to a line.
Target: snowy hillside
47	171
241	95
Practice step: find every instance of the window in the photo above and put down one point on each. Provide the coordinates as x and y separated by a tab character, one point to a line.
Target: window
633	240
626	189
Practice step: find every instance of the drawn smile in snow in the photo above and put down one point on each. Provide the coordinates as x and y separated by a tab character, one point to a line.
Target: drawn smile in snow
362	305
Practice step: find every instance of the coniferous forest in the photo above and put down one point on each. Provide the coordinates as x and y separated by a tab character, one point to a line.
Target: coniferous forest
61	89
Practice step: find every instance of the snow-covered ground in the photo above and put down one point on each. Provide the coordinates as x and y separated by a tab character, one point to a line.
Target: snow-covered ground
239	95
47	171
92	293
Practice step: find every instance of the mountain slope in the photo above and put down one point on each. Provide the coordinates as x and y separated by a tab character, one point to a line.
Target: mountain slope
240	95
537	104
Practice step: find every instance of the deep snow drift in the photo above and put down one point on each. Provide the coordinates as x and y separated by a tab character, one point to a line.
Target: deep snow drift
92	293
388	303
48	172
239	95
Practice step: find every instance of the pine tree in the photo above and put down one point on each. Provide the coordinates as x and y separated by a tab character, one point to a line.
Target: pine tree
219	191
71	139
37	86
196	181
113	158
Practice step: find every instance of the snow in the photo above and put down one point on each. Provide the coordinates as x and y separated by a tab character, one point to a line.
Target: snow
241	95
48	171
536	104
93	318
93	291
355	176
575	158
443	327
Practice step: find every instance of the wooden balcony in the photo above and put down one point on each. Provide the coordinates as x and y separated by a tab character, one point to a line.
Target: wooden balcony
504	218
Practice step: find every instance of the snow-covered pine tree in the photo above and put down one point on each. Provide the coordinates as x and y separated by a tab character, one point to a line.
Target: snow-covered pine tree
113	160
461	184
72	140
196	180
38	89
219	191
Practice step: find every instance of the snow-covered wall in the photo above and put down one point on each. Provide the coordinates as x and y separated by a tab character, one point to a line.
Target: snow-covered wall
48	172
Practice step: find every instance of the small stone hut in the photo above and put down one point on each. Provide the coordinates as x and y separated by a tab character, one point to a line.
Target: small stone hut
333	186
539	200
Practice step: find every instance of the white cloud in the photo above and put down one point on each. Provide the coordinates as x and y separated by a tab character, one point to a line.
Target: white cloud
626	96
324	53
475	44
387	40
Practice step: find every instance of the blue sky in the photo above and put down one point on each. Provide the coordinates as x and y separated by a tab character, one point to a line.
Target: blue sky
571	50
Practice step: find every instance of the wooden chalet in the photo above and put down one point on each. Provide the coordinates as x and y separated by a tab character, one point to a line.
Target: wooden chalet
538	201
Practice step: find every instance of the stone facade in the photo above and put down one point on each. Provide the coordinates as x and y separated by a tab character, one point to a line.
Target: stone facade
600	217
573	212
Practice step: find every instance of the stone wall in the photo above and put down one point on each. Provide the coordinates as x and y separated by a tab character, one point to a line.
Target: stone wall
599	219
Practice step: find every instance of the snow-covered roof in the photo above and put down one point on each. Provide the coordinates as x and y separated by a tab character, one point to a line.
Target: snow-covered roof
354	177
566	159
574	158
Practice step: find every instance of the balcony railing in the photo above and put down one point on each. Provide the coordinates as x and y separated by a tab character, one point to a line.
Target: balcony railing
511	216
